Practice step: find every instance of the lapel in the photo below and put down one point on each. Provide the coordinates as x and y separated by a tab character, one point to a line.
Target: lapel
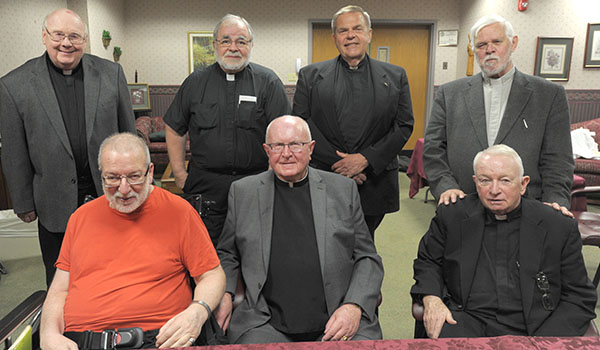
531	245
473	99
471	236
318	198
44	90
266	194
91	86
382	84
325	88
517	100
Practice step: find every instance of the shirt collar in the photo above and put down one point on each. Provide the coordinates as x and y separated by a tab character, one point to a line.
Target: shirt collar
502	80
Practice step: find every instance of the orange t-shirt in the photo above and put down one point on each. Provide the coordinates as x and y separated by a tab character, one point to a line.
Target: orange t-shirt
129	270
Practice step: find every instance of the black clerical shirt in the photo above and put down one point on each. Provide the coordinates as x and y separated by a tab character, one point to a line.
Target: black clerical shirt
496	289
294	287
69	91
354	101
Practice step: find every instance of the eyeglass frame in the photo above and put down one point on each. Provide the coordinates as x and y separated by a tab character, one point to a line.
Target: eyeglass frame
103	177
289	145
543	285
236	41
83	38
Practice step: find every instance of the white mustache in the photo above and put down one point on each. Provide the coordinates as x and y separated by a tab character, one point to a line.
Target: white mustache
491	57
234	54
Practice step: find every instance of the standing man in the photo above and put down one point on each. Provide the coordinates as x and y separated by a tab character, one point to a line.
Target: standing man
360	113
298	238
502	105
56	110
225	108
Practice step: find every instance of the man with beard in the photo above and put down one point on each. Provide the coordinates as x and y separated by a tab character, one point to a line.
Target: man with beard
500	106
125	262
225	108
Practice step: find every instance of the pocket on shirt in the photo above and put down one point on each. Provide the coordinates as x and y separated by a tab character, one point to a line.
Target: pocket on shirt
205	116
250	117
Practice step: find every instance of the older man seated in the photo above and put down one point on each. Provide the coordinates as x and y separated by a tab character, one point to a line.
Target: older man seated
496	263
298	238
125	261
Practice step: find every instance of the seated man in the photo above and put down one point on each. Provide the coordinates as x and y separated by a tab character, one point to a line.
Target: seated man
299	240
125	261
496	263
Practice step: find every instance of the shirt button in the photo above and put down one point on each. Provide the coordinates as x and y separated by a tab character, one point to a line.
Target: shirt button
460	307
234	172
73	181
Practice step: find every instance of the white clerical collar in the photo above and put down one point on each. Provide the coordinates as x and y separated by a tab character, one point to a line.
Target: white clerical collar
290	183
230	77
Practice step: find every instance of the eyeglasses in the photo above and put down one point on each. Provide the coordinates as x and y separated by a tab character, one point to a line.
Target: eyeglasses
544	286
132	179
295	147
74	38
242	43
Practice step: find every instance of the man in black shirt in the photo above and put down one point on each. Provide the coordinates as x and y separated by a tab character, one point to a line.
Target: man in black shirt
56	110
496	263
225	108
360	113
299	240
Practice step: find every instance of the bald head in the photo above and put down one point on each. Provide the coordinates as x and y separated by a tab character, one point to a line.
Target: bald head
124	143
291	122
65	36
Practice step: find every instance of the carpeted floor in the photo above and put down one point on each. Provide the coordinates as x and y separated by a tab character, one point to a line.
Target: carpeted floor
396	239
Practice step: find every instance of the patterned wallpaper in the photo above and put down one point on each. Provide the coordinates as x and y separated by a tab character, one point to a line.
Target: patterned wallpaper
156	31
548	18
153	33
21	24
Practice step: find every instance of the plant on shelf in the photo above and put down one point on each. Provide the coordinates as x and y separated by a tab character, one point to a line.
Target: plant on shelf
106	38
117	53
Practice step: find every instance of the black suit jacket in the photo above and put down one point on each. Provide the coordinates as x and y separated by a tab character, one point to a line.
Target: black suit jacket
549	242
390	125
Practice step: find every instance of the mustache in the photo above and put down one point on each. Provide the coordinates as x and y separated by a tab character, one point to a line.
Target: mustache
234	54
491	57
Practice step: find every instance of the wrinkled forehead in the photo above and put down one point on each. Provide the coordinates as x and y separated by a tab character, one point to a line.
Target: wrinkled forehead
497	166
233	29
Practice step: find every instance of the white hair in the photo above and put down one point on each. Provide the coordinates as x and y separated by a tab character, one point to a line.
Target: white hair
499	150
301	124
348	9
486	21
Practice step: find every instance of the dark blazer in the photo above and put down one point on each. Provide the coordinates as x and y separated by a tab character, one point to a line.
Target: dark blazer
36	154
549	242
535	124
390	126
352	271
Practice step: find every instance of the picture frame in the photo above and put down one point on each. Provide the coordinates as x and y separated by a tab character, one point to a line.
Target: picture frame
592	46
139	94
201	52
448	37
553	58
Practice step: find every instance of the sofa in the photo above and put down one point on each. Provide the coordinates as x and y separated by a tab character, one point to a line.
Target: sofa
152	130
589	169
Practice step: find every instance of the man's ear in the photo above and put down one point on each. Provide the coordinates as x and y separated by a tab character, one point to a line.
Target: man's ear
524	183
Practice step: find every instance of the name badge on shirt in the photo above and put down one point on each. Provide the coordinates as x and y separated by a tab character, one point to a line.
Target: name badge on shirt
246	98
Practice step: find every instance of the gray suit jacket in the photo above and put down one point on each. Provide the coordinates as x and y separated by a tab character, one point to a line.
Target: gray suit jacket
351	269
36	154
535	124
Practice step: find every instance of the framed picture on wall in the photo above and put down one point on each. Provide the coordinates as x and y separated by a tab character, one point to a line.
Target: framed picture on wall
553	58
201	52
592	46
448	37
139	96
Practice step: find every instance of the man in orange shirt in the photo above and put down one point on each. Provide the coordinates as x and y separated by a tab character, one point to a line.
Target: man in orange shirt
125	260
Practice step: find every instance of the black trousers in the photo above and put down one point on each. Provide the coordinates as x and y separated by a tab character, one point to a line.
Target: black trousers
373	222
469	325
50	243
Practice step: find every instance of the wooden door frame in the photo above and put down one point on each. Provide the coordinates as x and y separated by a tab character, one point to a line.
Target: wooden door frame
432	24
